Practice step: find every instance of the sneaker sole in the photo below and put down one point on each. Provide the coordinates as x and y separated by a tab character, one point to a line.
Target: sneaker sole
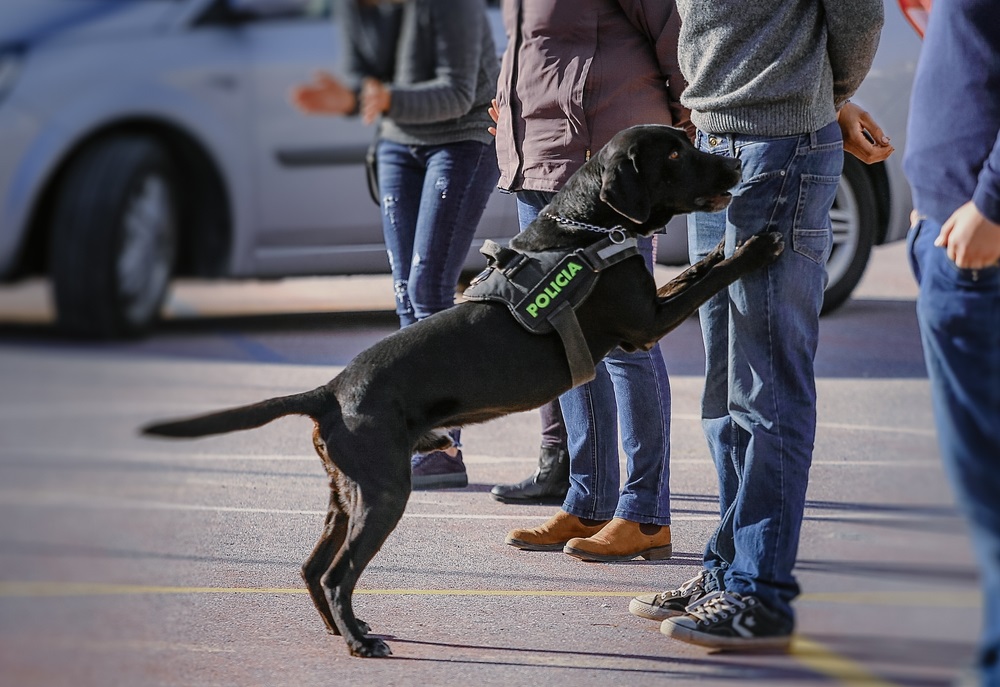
529	546
644	610
710	641
658	553
456	481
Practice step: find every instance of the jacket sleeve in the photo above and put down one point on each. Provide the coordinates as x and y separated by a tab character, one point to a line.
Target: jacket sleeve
853	30
660	21
987	193
458	45
352	66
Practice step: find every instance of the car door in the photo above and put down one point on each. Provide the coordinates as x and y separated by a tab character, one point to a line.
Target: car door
314	214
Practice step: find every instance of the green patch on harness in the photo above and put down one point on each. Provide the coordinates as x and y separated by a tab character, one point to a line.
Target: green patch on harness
538	301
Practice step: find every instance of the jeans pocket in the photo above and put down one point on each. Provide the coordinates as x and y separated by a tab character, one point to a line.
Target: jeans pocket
811	236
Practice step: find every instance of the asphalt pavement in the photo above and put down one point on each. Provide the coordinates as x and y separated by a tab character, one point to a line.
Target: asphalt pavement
134	562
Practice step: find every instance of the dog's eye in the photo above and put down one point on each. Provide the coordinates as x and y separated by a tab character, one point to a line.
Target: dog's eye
674	155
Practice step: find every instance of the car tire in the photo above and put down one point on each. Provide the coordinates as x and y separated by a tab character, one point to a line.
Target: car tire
854	216
113	238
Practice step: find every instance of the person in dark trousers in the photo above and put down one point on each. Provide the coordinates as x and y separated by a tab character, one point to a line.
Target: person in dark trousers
768	83
574	73
426	71
953	165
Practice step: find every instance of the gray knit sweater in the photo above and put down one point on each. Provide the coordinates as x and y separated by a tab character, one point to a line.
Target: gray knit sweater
445	72
774	67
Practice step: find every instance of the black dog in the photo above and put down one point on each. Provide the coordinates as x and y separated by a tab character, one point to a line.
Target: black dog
401	394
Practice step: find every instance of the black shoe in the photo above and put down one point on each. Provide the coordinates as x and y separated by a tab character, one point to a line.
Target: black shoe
549	484
672	602
730	621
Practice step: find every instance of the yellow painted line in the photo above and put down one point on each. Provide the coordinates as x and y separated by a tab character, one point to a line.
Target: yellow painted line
52	589
811	654
821	660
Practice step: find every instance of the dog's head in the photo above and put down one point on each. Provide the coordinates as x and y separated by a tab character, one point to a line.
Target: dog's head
651	172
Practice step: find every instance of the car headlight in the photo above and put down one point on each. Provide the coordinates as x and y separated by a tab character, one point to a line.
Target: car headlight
10	66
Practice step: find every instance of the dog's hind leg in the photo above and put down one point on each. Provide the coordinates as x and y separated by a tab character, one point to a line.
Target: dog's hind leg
332	538
376	514
320	560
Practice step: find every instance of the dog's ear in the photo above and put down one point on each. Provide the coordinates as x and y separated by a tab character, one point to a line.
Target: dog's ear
622	187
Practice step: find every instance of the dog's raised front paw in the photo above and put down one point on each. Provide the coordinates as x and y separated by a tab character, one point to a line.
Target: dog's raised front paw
369	647
766	247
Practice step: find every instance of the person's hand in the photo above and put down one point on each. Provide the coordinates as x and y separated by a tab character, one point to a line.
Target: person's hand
972	241
323	95
375	99
863	137
494	115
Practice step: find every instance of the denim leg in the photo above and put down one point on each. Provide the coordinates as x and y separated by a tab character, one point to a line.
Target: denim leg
724	436
529	204
642	394
432	200
401	178
592	439
626	384
958	312
633	389
762	341
457	184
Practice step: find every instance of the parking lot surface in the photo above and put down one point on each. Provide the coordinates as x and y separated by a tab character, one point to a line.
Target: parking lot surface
134	562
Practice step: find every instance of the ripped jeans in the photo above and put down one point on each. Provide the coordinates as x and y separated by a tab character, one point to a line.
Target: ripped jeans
432	199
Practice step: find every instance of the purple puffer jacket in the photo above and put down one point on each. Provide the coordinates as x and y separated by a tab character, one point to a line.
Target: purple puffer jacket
575	73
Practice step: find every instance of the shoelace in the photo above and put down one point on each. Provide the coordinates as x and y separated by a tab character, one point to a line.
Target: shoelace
716	606
685	589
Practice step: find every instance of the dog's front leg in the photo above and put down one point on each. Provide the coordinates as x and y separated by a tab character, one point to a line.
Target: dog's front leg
756	252
694	272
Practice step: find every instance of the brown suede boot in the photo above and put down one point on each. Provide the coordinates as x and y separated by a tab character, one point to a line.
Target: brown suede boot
623	540
554	533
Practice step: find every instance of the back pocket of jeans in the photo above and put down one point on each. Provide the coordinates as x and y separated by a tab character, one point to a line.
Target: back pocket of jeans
811	235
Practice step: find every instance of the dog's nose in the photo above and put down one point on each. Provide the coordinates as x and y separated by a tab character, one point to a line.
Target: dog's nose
735	164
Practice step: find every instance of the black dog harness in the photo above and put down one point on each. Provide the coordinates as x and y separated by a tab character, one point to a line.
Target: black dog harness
543	290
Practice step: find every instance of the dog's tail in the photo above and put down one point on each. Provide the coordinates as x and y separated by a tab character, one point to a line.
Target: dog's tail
251	416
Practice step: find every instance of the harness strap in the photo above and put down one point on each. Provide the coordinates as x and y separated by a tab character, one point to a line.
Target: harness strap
525	281
581	364
519	269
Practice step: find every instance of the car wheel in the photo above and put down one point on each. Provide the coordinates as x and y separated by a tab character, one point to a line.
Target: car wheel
113	238
853	217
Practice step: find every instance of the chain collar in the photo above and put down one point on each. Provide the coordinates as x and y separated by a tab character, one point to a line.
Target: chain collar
616	234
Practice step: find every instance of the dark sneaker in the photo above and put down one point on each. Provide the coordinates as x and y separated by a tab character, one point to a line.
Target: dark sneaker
438	470
670	603
730	621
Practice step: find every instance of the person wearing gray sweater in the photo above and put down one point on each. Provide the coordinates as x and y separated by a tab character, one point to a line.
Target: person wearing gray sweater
768	83
426	72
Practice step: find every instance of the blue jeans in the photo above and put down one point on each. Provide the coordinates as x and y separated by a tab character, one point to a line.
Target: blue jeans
630	388
959	315
759	404
432	200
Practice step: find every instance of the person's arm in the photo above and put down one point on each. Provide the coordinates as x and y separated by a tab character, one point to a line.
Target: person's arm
972	234
458	42
863	137
324	95
853	30
661	22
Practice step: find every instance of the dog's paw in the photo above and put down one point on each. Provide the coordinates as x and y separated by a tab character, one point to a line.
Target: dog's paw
369	647
766	247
